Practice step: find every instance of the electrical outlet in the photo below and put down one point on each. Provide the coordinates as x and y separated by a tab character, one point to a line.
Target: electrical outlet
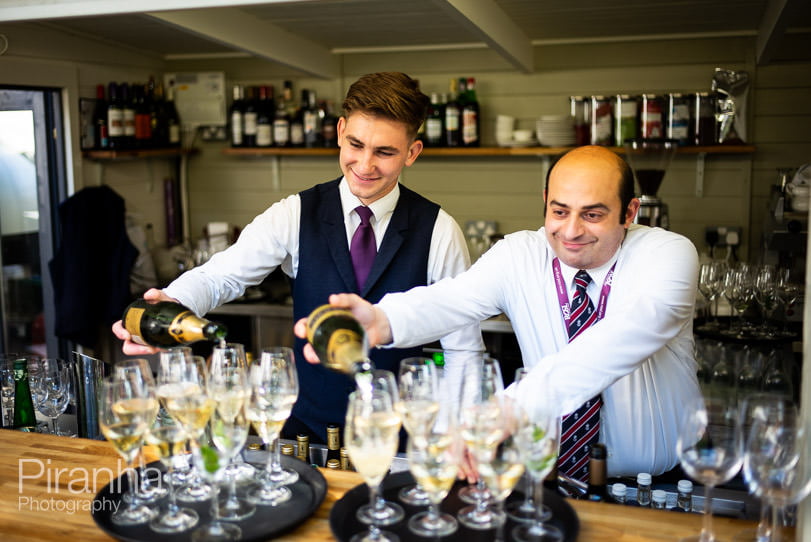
723	236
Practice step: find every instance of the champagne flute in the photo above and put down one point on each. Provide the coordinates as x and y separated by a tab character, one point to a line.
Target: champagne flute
789	292
183	471
710	284
380	511
274	389
481	426
710	448
538	439
56	386
434	457
371	434
146	491
126	407
183	392
229	435
768	297
418	407
170	440
228	385
524	510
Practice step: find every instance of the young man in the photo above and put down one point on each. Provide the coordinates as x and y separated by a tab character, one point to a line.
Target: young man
625	363
310	234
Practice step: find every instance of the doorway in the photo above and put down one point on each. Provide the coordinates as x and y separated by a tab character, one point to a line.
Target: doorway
32	183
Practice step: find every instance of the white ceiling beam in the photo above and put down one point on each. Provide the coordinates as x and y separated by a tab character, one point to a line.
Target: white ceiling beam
27	10
489	22
237	29
772	27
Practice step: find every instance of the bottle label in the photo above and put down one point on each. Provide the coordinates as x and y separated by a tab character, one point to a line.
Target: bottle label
236	128
115	123
129	122
281	131
250	123
132	323
451	119
433	129
470	132
264	135
185	328
174	134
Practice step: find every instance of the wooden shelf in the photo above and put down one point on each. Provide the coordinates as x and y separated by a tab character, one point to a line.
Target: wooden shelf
479	151
135	154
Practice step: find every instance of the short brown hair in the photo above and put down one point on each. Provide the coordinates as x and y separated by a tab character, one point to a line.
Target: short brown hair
390	95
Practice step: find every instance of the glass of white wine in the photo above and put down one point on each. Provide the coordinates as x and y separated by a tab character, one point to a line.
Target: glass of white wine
274	389
182	390
183	471
169	440
418	406
371	434
126	408
229	435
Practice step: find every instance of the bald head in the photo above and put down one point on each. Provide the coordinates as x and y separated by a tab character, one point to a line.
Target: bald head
596	157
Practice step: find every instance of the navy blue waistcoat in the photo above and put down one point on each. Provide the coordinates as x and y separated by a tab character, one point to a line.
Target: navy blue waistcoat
325	267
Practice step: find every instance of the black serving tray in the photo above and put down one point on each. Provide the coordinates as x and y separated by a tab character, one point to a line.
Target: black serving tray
344	524
267	522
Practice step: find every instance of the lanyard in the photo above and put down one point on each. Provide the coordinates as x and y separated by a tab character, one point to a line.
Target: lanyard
563	294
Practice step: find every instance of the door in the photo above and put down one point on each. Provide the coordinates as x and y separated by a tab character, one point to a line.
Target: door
32	183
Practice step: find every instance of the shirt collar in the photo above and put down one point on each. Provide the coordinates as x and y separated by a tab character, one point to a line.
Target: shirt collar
380	208
597	274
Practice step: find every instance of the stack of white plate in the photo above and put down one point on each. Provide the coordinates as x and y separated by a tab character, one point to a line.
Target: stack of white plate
555	130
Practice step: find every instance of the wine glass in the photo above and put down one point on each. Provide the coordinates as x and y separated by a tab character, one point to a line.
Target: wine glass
380	511
524	510
789	292
169	440
228	437
274	389
434	457
127	406
767	296
7	391
182	389
739	291
371	434
228	385
418	407
55	383
481	426
139	368
710	448
539	438
710	284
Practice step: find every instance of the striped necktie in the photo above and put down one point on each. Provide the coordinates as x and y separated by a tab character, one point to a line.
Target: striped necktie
581	428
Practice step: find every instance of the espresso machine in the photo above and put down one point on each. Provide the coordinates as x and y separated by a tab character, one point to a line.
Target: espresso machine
649	160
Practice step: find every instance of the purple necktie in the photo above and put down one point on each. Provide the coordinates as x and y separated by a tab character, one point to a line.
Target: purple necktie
581	428
363	248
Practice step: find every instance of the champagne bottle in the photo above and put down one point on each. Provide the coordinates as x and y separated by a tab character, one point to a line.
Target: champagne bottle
24	417
333	445
303	447
597	473
338	339
167	323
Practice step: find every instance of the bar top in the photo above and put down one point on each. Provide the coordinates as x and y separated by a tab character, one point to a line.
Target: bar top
42	500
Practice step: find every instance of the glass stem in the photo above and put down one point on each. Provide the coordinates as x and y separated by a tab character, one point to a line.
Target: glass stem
270	486
538	486
528	503
132	481
500	526
53	426
777	532
433	515
277	456
171	501
763	527
706	528
374	531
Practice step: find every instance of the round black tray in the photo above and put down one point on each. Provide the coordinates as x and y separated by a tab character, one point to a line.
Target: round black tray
344	524
267	522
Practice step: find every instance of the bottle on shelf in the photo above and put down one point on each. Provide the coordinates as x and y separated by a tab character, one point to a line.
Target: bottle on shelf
453	134
303	447
24	417
250	116
312	120
643	488
433	122
173	128
281	123
597	473
684	499
167	323
236	115
296	114
329	126
154	102
471	134
143	121
338	339
333	445
115	118
264	118
100	136
127	116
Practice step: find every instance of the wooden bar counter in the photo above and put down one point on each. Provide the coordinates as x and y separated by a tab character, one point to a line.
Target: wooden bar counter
41	499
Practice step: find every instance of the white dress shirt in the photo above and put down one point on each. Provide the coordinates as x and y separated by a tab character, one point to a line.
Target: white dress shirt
639	356
272	239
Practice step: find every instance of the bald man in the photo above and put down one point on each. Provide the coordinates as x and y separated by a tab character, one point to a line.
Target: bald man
631	364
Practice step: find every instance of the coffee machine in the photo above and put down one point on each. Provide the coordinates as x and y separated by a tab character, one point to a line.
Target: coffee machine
649	160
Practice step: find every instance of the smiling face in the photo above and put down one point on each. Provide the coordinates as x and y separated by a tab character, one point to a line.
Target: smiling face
373	152
585	222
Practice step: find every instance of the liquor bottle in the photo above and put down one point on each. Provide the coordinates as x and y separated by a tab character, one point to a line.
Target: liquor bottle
597	473
453	135
236	114
128	116
264	119
296	115
250	118
153	95
471	134
167	323
100	137
303	447
433	123
281	123
24	417
329	126
333	445
143	121
115	118
160	126
172	119
312	120
338	339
